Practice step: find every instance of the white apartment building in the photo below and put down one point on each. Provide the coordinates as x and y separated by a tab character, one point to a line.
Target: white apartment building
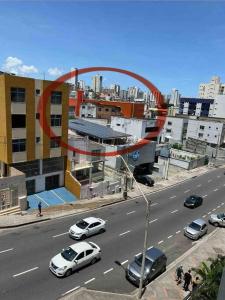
217	108
174	97
88	110
209	131
211	89
97	83
174	130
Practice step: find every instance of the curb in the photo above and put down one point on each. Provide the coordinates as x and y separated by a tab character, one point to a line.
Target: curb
23	224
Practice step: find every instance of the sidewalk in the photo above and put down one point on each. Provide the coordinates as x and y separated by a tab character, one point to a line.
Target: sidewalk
165	286
90	204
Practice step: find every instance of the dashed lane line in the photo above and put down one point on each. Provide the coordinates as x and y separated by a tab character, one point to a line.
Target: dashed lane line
218	176
170	236
123	233
209	180
154	204
186	191
30	270
172	197
209	212
178	232
174	211
204	216
222	203
124	262
199	185
160	242
131	212
215	190
107	271
204	196
7	250
218	206
90	280
64	233
214	209
152	221
72	290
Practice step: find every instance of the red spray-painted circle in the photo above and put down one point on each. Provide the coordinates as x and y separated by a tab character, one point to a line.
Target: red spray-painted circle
160	120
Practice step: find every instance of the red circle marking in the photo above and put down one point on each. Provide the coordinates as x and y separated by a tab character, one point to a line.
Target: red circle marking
58	82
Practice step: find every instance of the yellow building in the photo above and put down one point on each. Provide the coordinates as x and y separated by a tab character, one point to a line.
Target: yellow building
23	144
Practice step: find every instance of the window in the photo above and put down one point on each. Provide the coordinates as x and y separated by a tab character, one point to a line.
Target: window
80	256
18	121
56	120
55	141
200	135
83	106
209	127
56	97
17	94
216	128
38	92
215	136
117	124
38	139
18	145
202	127
99	109
88	252
37	116
169	123
106	109
168	130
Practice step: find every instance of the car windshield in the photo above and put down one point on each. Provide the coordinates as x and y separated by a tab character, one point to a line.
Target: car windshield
220	216
69	254
82	224
191	199
195	226
138	260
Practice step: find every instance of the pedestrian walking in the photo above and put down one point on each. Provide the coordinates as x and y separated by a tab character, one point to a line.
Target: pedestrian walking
187	280
179	273
39	208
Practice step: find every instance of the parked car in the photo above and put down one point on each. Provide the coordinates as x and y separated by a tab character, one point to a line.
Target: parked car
217	219
87	227
196	229
155	264
193	201
144	179
74	257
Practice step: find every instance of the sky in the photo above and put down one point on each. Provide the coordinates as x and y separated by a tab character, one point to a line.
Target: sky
174	44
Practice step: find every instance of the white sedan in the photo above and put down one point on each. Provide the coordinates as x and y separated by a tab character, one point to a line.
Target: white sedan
74	257
87	227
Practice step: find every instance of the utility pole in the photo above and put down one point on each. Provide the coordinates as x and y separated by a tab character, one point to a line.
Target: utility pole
126	180
76	80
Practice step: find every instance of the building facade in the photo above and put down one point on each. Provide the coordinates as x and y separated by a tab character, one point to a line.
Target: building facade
195	106
97	83
211	89
174	130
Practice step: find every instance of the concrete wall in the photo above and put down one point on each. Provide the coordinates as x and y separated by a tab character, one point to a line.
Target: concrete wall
100	189
174	128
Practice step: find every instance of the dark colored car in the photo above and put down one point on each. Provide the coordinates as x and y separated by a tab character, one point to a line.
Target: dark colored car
193	201
144	179
155	264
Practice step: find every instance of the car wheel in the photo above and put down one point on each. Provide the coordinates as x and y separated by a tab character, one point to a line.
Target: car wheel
216	224
101	230
83	237
94	260
68	273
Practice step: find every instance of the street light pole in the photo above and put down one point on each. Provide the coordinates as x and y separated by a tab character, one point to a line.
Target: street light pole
148	203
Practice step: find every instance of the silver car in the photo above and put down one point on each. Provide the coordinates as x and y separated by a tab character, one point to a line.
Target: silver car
196	229
217	219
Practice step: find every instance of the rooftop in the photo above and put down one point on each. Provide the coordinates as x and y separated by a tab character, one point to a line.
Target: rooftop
84	127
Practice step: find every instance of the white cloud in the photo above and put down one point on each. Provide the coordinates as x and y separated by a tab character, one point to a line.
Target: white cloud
54	72
15	65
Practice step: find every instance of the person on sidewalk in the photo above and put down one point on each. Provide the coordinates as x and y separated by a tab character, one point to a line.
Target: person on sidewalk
179	273
39	209
187	280
195	284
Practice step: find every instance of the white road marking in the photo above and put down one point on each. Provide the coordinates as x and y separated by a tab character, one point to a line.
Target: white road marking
90	280
124	262
186	191
16	275
153	221
204	196
178	232
204	216
172	197
74	289
174	211
54	236
215	190
107	271
222	203
7	250
160	242
209	180
169	237
124	233
218	206
131	212
209	212
138	254
199	185
224	184
153	204
218	176
150	247
214	209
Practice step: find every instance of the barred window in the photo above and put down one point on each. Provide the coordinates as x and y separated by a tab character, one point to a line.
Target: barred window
56	120
18	145
56	97
17	94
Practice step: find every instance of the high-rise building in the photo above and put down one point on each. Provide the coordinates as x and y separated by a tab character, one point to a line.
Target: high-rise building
133	92
81	85
115	88
97	83
24	146
211	89
174	97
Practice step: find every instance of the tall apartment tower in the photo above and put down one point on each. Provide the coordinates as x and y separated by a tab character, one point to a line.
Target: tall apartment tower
97	83
211	89
24	146
174	97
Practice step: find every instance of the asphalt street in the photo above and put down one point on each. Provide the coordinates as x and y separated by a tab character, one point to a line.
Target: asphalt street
25	252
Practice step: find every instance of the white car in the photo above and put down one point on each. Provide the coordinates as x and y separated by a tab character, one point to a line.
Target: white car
74	257
87	227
